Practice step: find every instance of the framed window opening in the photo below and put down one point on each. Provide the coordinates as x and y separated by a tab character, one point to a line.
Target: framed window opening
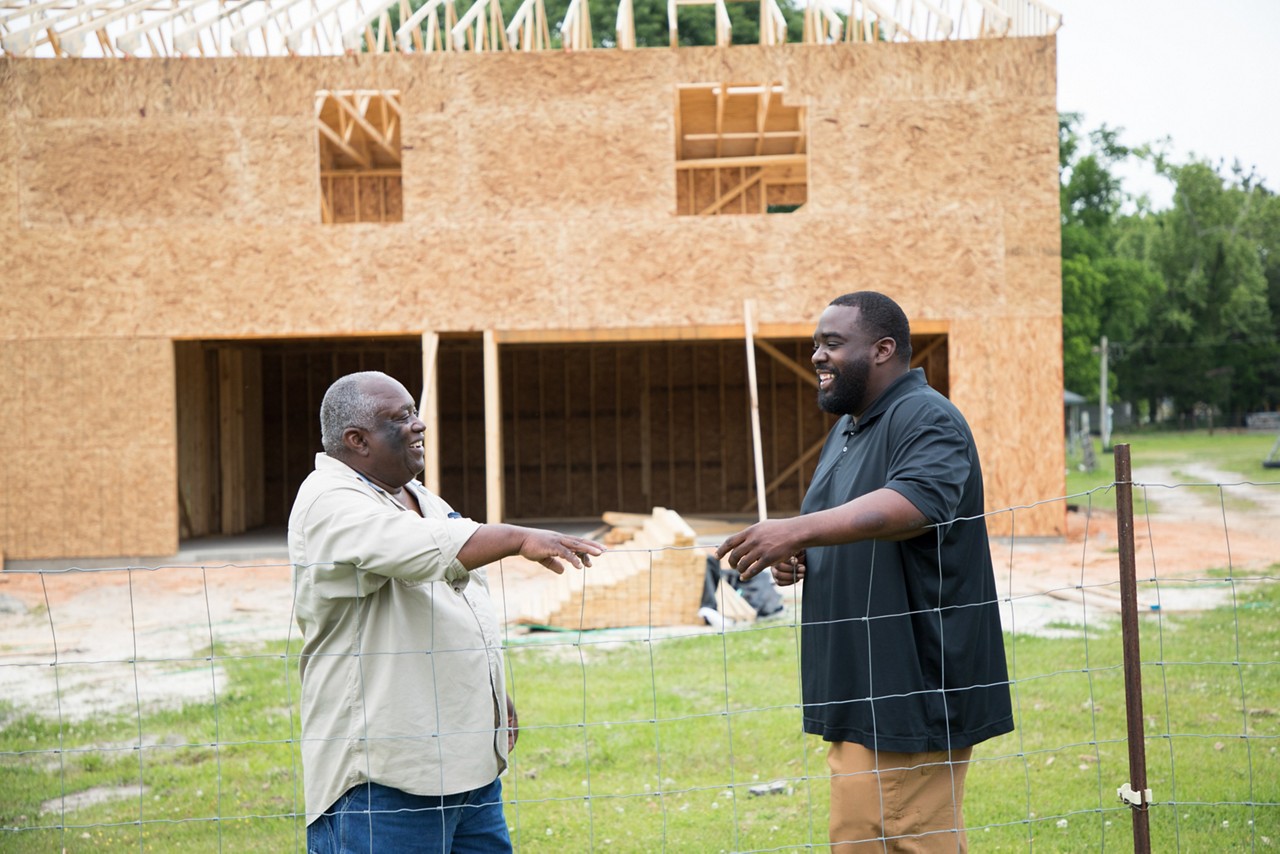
740	149
358	134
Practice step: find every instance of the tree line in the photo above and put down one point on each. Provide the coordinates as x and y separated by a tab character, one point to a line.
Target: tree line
1188	297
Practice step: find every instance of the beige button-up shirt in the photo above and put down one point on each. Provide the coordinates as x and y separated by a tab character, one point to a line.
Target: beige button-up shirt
402	679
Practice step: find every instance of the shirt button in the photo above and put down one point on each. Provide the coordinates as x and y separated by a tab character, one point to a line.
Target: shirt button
845	448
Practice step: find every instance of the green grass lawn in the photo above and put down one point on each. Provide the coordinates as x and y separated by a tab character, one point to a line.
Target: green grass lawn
1236	451
636	745
640	745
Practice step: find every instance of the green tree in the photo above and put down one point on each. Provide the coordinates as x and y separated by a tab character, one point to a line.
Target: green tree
1106	290
1212	338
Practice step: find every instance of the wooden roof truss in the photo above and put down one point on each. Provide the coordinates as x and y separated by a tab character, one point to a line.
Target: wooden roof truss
932	20
142	28
421	32
737	122
359	130
575	29
528	29
359	146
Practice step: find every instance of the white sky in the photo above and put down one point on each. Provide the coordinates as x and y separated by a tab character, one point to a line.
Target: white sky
1204	72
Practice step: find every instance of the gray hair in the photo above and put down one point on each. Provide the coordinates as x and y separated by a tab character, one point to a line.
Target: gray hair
346	405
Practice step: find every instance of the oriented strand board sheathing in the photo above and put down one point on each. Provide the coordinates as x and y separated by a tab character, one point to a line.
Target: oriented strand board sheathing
930	153
999	399
1033	263
8	162
82	173
96	420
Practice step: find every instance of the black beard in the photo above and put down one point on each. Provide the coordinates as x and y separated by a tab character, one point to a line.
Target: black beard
848	391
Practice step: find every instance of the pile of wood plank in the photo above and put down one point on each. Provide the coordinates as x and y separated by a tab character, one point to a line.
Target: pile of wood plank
652	575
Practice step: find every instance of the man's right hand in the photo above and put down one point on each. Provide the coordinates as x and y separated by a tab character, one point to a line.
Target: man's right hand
549	549
492	542
786	574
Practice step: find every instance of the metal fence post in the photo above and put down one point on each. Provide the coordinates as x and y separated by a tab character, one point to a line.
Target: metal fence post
1135	792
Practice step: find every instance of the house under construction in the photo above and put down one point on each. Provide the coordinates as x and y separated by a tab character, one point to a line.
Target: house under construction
602	264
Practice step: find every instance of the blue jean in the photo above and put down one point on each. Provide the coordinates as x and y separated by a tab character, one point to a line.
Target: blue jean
374	819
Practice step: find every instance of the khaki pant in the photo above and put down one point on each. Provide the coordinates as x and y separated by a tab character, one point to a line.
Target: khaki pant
899	802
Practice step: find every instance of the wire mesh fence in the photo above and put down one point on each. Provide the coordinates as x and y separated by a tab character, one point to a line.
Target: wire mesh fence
156	707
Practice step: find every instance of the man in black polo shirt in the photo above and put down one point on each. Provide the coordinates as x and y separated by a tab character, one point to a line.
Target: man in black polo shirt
902	666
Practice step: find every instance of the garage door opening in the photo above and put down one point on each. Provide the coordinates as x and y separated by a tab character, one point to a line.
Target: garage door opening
586	427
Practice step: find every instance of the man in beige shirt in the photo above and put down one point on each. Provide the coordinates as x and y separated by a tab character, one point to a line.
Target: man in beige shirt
404	730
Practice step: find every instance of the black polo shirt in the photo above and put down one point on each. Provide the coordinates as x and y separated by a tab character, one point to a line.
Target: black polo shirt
901	642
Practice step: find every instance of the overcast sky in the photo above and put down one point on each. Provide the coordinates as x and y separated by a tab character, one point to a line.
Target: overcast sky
1204	72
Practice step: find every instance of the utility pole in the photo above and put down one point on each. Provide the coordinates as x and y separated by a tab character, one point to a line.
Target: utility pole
1104	409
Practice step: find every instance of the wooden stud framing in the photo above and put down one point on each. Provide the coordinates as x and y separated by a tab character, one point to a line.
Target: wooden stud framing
564	453
492	430
748	315
806	374
429	410
542	433
528	28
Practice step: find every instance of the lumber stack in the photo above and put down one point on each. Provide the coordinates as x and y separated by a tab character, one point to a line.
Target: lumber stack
652	575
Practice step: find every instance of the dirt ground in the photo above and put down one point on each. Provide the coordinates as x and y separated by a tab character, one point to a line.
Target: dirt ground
95	622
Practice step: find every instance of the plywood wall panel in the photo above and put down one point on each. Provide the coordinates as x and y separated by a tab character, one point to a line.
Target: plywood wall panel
8	160
516	176
742	63
137	173
207	286
1017	426
95	466
185	88
930	151
952	253
1033	260
514	142
222	273
970	70
11	500
82	173
281	181
59	397
503	270
360	279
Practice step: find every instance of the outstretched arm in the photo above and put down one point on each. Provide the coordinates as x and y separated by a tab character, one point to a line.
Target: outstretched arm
880	515
494	542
